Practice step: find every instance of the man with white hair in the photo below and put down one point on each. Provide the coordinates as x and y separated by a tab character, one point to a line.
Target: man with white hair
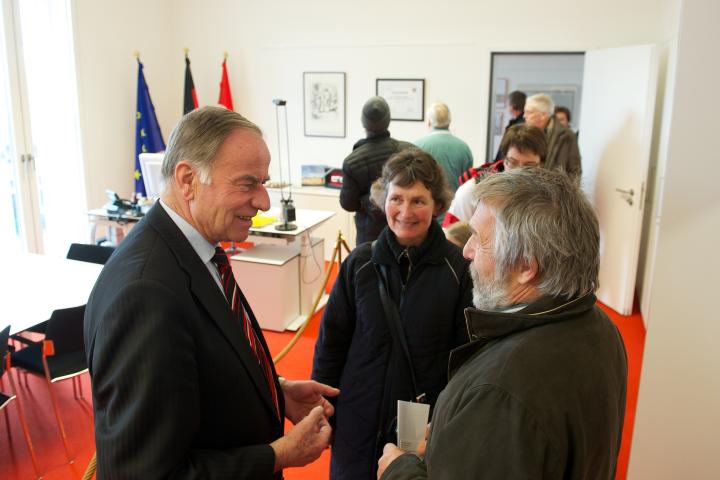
453	155
563	153
539	392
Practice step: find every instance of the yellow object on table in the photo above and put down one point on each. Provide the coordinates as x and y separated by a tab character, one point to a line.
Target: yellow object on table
260	220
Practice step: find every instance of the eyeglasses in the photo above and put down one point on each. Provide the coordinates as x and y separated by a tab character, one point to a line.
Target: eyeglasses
512	162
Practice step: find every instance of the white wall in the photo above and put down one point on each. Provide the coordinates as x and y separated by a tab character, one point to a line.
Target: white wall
271	43
677	422
106	35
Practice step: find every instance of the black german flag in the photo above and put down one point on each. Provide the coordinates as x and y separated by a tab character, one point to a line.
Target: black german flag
190	101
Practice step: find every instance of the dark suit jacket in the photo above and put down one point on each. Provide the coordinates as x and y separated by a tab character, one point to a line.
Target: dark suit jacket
177	391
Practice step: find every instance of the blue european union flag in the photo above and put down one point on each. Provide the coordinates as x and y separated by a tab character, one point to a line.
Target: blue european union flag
148	137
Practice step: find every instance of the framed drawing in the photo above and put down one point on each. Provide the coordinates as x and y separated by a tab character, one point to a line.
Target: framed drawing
406	97
324	104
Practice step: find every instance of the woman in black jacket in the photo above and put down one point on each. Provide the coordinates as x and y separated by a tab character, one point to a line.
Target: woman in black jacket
428	283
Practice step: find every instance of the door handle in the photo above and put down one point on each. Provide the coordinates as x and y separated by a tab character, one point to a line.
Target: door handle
627	194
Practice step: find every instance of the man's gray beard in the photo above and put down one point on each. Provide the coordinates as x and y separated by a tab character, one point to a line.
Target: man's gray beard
488	293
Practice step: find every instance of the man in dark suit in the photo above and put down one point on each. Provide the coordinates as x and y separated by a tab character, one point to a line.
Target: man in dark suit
183	385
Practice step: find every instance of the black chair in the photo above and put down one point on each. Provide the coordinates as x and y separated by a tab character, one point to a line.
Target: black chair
90	253
78	251
5	398
59	357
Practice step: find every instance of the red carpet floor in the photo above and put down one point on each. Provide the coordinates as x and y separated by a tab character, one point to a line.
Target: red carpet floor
15	460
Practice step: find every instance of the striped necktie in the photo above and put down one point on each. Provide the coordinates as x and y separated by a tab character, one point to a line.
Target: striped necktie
232	294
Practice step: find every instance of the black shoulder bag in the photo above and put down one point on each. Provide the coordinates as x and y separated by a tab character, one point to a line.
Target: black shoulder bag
392	316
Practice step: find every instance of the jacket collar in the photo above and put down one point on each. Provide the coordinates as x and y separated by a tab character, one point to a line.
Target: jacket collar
431	250
371	137
545	310
205	291
484	326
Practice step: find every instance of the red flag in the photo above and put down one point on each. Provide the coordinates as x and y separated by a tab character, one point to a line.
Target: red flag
225	95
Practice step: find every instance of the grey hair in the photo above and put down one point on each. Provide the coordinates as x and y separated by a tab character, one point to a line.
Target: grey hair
439	115
198	136
543	215
542	102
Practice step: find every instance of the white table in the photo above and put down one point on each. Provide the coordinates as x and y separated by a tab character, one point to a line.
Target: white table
117	225
307	220
32	286
279	278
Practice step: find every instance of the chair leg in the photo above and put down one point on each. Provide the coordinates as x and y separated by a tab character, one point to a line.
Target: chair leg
23	424
53	399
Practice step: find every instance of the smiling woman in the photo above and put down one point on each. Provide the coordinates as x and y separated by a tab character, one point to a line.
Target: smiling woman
427	283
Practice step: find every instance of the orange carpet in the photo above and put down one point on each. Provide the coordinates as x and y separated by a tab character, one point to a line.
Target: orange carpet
15	460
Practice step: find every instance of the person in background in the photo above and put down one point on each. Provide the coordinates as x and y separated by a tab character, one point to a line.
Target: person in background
563	153
363	166
516	108
183	383
453	155
458	234
522	146
539	392
426	283
562	115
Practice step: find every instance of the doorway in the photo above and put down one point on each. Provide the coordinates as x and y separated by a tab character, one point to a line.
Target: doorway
559	75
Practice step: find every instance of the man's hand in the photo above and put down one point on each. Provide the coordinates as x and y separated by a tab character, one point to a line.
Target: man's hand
304	442
301	396
421	448
390	453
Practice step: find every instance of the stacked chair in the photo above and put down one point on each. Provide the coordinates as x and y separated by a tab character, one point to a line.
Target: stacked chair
6	399
61	354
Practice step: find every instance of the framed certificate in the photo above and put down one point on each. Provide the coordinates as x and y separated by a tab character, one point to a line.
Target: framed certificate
406	97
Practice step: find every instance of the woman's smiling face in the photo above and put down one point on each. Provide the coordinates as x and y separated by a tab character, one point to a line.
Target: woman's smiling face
409	211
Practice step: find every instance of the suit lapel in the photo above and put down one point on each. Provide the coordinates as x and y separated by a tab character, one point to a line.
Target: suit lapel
208	294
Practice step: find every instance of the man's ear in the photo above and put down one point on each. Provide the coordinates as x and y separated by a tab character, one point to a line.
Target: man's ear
528	272
186	179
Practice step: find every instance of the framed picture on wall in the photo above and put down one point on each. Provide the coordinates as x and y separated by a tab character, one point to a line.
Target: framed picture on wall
406	97
324	104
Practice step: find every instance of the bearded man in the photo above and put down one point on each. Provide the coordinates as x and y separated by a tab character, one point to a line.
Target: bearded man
539	392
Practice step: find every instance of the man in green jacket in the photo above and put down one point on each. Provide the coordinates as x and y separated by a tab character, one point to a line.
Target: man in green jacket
453	155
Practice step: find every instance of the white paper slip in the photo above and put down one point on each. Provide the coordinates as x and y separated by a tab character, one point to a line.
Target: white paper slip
412	420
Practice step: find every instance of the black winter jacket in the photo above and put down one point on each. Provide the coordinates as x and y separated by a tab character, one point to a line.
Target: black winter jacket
355	351
360	169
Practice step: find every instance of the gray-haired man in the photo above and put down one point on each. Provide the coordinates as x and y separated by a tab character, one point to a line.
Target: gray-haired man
539	392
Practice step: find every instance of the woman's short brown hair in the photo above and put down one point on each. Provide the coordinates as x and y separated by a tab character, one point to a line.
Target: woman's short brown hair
407	167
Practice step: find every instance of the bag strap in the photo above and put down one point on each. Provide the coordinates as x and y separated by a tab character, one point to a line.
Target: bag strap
392	315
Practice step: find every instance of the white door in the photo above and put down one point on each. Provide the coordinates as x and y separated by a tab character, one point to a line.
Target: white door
618	104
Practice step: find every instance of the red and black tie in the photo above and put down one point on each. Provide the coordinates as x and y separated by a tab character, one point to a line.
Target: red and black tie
232	293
